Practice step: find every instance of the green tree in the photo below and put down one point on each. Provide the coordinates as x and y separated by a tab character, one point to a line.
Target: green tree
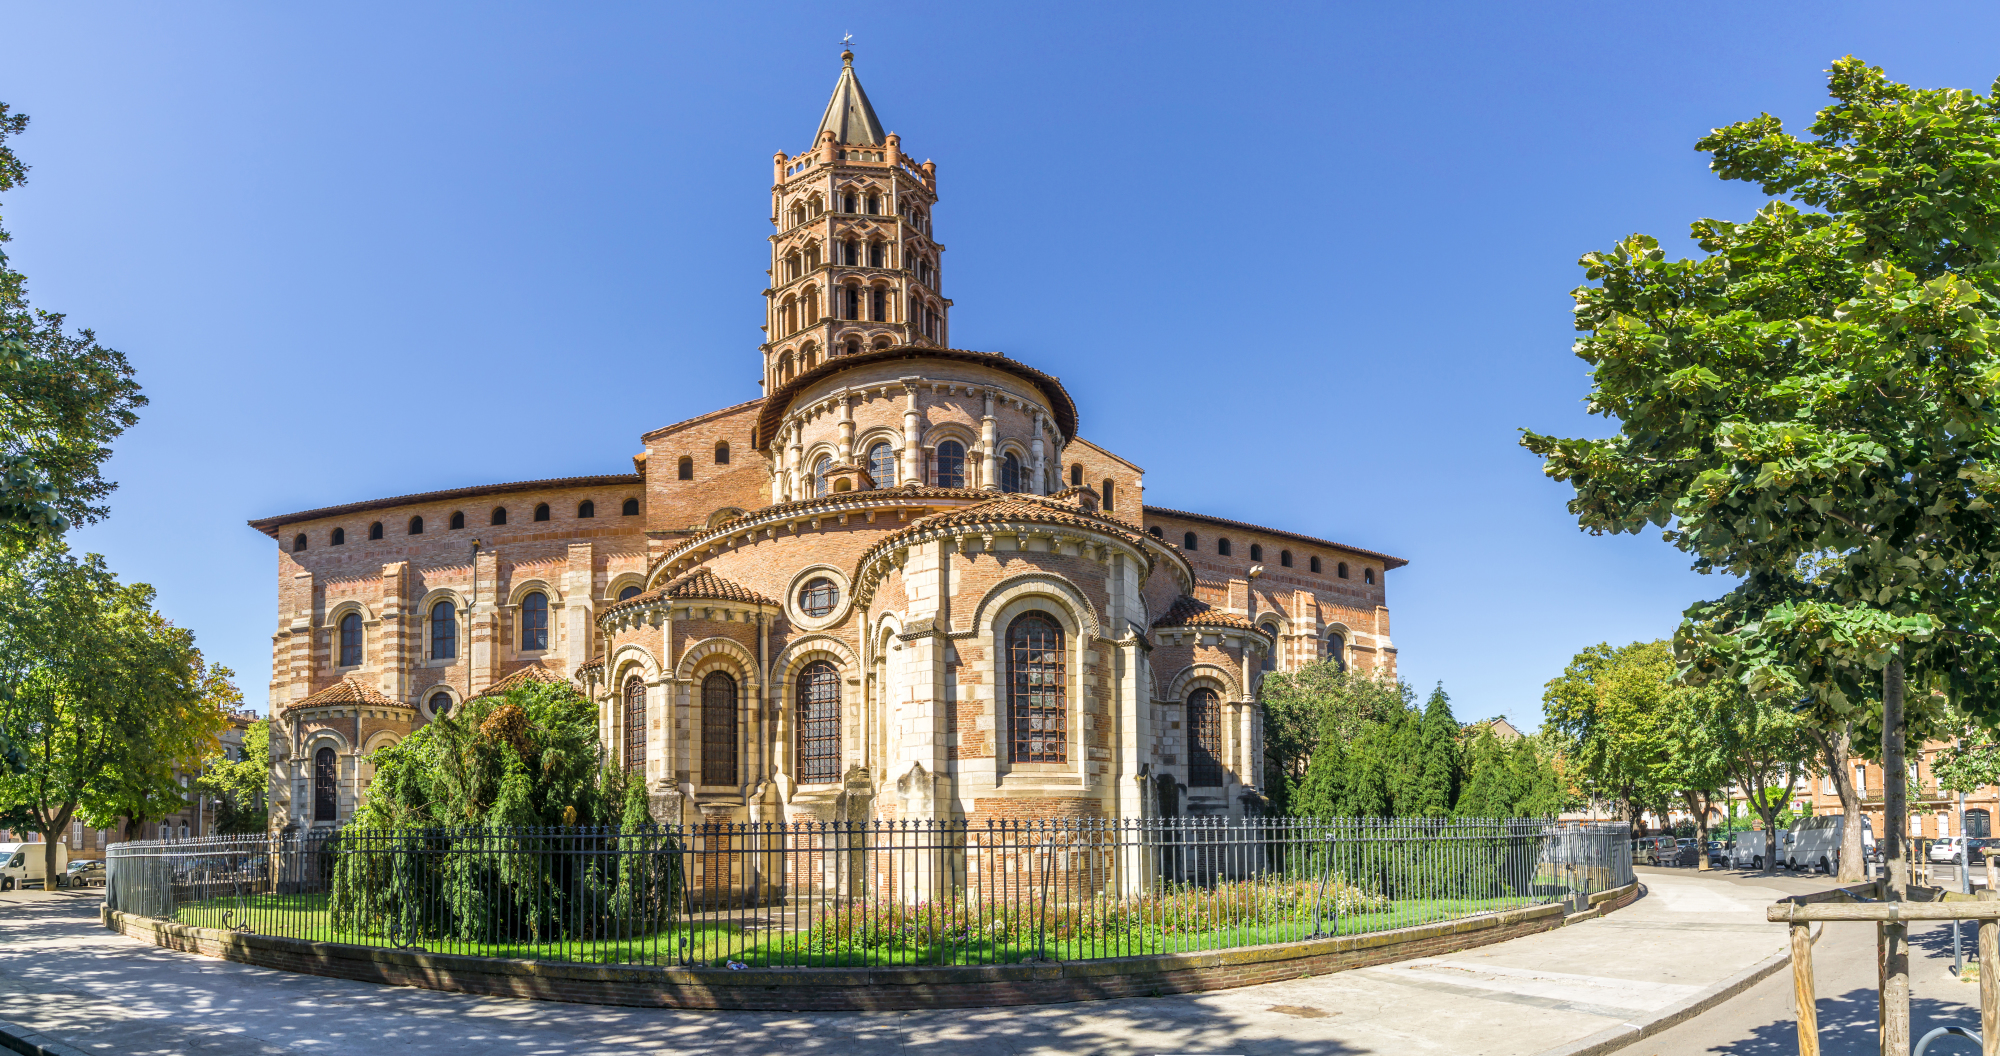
240	787
63	398
1439	762
157	775
1302	708
1821	381
1610	711
94	679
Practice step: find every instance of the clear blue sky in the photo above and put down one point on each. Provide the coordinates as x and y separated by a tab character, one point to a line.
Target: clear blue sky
1308	265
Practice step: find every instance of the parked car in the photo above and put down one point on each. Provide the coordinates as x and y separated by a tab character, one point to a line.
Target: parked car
1656	850
86	872
21	864
1718	852
1948	849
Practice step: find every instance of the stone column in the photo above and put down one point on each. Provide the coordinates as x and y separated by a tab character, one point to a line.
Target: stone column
1036	452
796	454
913	471
989	444
846	429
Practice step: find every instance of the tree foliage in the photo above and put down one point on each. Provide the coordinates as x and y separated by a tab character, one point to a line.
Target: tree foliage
1612	712
158	774
240	787
63	399
1318	700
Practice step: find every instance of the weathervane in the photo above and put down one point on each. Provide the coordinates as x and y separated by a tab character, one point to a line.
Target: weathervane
847	42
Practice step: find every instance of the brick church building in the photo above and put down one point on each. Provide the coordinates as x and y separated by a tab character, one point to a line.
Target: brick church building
897	584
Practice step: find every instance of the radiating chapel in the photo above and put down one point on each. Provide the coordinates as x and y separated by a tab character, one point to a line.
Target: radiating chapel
898	584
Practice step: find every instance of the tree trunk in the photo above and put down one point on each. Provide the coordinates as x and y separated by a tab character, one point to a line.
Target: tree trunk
1894	936
1838	746
1698	806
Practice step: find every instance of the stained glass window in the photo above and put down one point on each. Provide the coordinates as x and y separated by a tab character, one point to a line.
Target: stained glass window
1037	690
817	705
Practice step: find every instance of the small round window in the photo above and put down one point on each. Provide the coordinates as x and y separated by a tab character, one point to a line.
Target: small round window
818	597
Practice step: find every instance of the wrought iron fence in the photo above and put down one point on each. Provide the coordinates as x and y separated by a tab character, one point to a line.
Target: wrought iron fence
860	894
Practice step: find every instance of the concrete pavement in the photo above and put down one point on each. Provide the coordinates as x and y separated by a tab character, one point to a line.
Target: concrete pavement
64	975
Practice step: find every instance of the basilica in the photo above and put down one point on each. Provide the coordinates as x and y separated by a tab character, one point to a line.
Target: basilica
898	584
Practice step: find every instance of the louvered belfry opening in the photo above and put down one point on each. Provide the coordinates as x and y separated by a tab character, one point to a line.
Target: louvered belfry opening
1037	690
818	708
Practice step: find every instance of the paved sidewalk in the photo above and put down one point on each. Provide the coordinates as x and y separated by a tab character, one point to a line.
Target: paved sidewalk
63	974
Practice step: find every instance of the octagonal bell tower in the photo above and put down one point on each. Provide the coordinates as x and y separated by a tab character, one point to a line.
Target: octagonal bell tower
853	262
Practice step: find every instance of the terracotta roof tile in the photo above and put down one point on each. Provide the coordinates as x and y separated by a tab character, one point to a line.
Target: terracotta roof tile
589	669
700	584
1388	561
533	673
1190	612
348	691
270	525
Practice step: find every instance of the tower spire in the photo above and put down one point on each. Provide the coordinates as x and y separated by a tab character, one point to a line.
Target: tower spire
848	115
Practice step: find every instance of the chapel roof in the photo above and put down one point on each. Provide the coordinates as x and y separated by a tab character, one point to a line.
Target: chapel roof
348	690
1018	507
779	401
1388	562
848	114
700	584
530	675
270	525
1193	612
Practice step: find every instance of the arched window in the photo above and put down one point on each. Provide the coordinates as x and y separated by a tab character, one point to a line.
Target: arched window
1222	547
1104	495
444	631
631	591
875	258
1271	655
1010	472
1340	570
339	537
1285	558
440	704
853	346
950	465
630	509
851	295
722	452
1155	532
819	474
686	468
882	465
350	640
635	724
1368	576
1315	562
847	203
1336	650
1256	552
819	596
375	530
586	508
817	705
874	204
499	515
718	729
458	519
798	214
416	526
1037	690
326	786
535	621
1204	737
541	511
1188	542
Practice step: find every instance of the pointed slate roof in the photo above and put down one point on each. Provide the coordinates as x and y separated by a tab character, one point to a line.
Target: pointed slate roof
848	115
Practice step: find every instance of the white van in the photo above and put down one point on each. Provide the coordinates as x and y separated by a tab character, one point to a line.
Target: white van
1815	842
21	864
1749	850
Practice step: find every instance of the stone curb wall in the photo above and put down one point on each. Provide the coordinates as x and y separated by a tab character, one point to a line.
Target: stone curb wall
843	989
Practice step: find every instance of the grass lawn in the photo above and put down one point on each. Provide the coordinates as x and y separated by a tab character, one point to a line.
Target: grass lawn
788	936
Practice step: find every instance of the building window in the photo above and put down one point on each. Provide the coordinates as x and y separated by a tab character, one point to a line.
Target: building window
499	515
1336	650
458	519
875	258
1315	562
1222	547
950	465
440	703
852	296
686	470
874	205
1155	532
722	452
818	709
1104	496
1978	823
535	622
818	596
1256	552
1860	779
878	304
298	542
1271	655
1340	570
1076	475
444	631
350	640
718	729
630	509
882	465
375	530
339	537
1188	542
1368	576
541	511
1204	735
586	509
1285	558
1010	472
820	467
326	786
631	591
1037	690
635	725
416	526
